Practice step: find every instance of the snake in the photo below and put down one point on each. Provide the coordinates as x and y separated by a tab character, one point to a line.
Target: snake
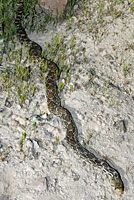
55	107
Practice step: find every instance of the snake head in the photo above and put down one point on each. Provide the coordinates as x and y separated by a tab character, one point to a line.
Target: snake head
117	184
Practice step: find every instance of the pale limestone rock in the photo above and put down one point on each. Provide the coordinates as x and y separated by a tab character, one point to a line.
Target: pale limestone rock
54	6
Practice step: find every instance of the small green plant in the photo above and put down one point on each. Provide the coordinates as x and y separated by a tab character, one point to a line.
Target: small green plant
132	5
112	100
100	7
83	4
34	124
104	197
57	139
72	43
105	85
72	87
125	70
89	136
32	89
23	137
60	86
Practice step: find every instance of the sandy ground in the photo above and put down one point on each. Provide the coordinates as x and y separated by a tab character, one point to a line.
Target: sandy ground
101	103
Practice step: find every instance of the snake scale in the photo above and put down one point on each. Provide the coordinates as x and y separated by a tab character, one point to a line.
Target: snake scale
54	104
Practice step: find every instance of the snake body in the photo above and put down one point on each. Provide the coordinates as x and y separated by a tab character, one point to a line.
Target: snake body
54	104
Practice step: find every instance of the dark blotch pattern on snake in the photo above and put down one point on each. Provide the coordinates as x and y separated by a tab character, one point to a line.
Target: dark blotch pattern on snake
54	104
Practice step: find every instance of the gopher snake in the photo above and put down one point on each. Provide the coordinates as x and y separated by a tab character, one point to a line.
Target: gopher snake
54	104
